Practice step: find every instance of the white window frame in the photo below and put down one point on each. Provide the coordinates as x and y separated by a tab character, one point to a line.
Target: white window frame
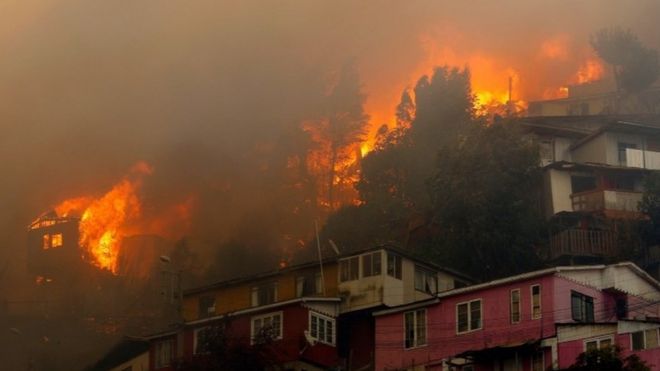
372	266
157	355
645	347
469	316
598	341
531	301
396	268
262	317
333	339
511	306
415	326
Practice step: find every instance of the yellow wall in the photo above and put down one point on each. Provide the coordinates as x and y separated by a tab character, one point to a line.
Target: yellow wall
233	298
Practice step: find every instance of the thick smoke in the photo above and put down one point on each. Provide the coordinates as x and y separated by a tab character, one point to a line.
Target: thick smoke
212	94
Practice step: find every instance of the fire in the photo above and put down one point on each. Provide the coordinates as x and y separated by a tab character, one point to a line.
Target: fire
591	70
103	221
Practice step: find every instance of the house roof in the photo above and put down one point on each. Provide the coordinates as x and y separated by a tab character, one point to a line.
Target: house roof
650	127
272	273
529	275
566	165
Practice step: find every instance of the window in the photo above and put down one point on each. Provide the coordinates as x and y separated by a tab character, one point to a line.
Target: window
536	301
164	353
621	308
56	240
202	339
46	242
425	280
264	294
468	316
538	361
414	324
349	269
393	265
582	183
595	344
206	306
515	306
266	327
582	307
623	158
322	328
646	339
371	264
309	285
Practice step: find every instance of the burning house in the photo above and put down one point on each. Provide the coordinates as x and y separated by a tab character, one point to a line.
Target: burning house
52	245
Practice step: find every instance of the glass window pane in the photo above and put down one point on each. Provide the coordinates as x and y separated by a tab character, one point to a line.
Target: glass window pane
475	315
651	338
637	340
462	310
376	263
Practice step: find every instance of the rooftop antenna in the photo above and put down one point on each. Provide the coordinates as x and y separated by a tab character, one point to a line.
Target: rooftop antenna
318	246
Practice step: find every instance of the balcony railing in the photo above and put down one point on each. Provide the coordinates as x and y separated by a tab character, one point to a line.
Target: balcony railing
642	159
606	200
582	242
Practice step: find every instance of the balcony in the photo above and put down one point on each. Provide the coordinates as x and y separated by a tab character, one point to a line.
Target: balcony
582	242
606	200
642	159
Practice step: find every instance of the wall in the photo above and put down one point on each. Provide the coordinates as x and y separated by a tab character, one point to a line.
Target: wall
292	346
442	340
596	151
236	297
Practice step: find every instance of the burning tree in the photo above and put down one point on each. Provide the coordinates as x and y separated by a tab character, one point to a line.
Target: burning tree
337	136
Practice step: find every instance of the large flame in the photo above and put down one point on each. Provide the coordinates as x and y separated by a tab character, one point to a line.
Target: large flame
103	220
106	220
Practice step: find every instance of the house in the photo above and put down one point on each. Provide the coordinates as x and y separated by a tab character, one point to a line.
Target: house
318	315
593	173
599	97
533	321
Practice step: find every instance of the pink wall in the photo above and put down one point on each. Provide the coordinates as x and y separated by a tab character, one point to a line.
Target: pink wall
442	340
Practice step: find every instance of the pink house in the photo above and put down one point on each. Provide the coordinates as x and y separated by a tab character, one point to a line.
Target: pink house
534	321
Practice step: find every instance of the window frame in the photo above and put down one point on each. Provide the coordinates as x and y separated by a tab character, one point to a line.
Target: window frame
531	301
469	316
257	289
644	341
261	317
394	265
584	313
416	327
349	269
326	319
519	305
426	274
196	339
369	266
157	355
598	341
207	313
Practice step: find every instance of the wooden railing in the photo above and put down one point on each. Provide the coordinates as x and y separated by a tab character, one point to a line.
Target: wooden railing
582	242
606	200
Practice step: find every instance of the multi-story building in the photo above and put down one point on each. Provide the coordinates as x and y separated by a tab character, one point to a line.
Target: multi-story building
318	316
594	167
534	321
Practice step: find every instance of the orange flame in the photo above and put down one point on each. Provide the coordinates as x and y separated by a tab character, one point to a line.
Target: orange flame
103	221
591	70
